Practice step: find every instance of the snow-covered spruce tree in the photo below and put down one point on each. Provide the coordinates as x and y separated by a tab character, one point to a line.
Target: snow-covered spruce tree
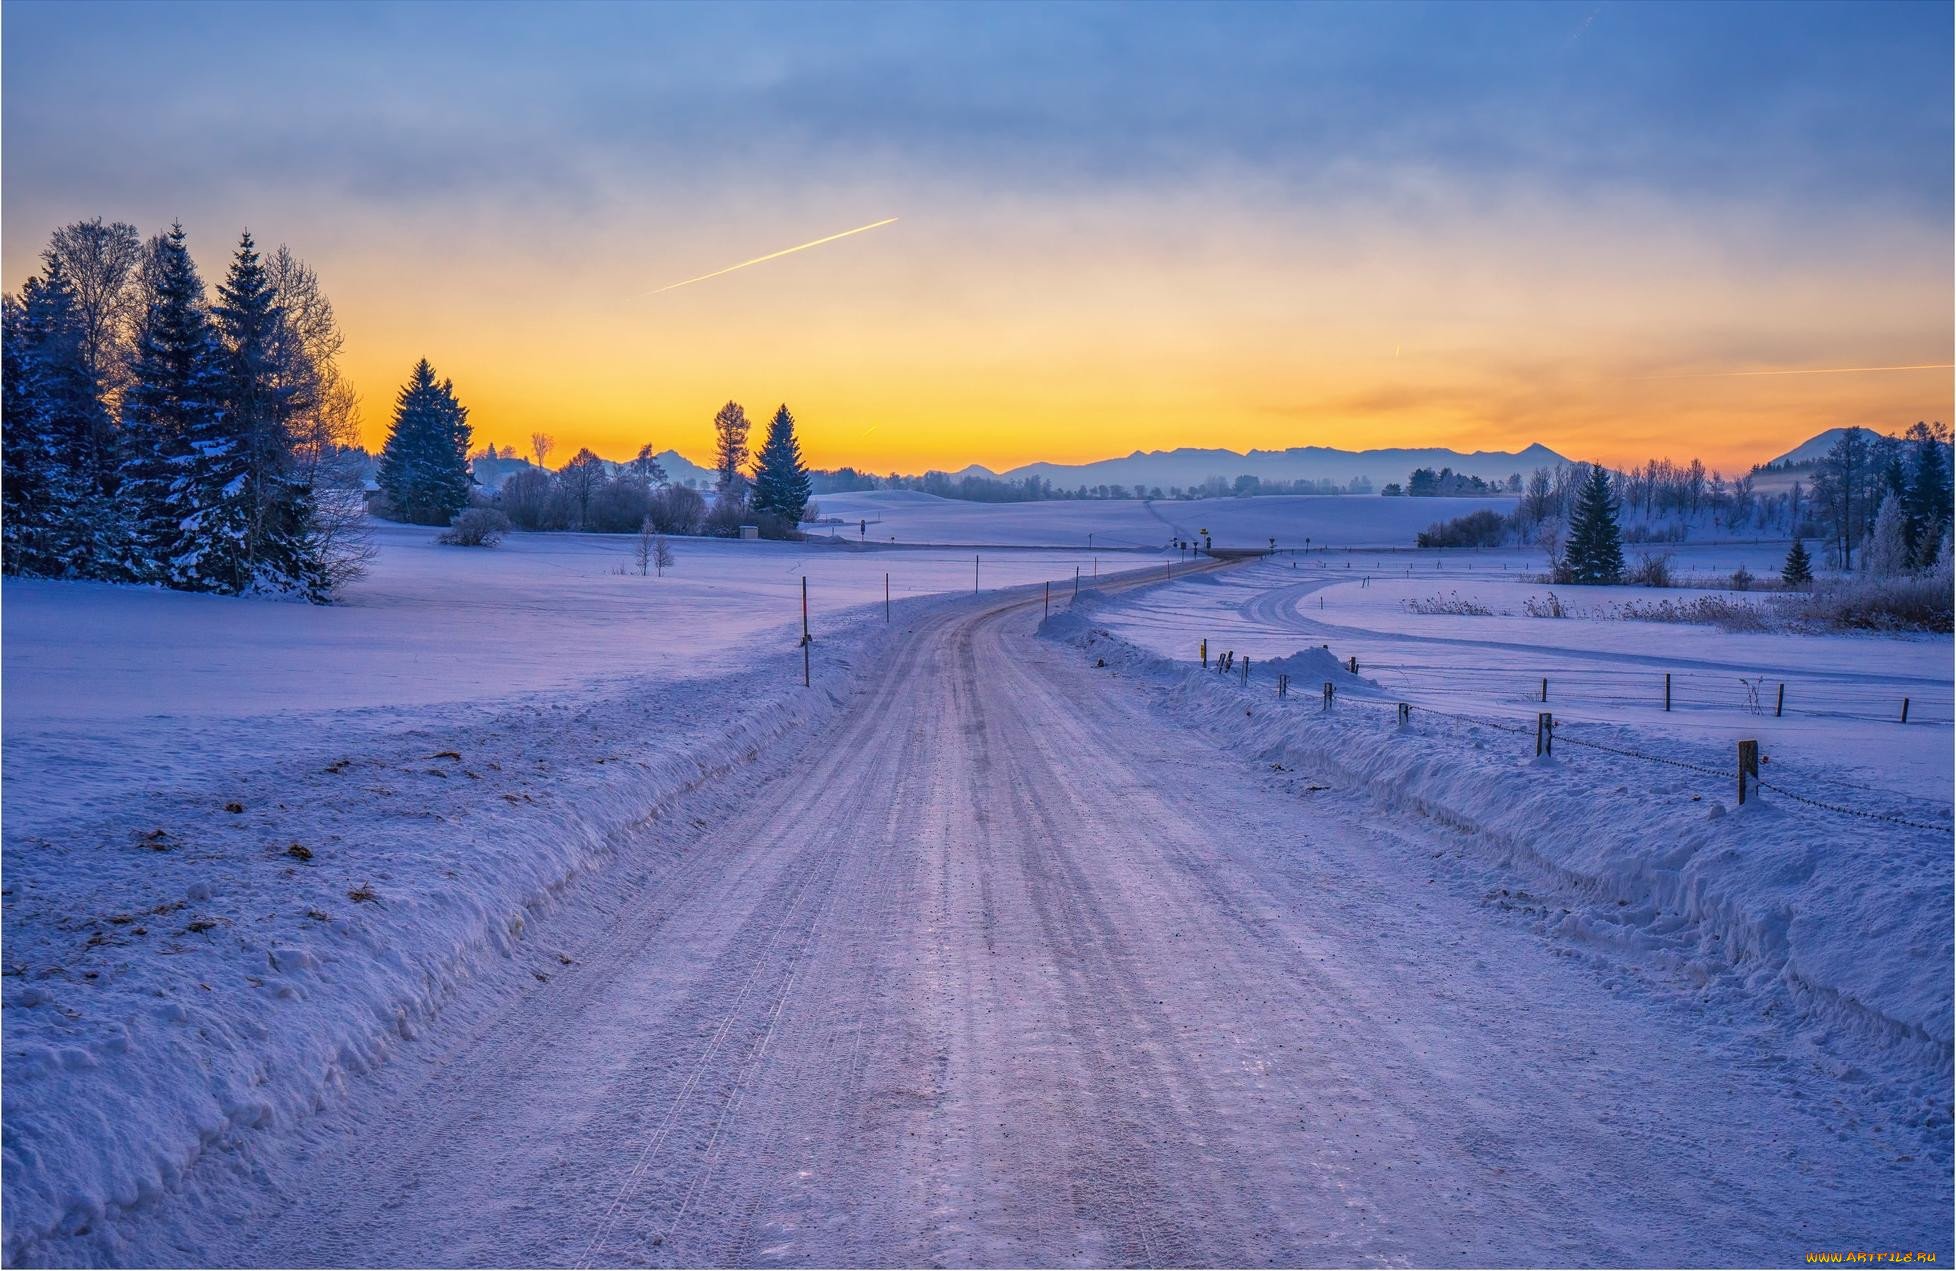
261	401
62	513
1887	551
424	468
24	450
1798	569
183	476
1595	551
780	477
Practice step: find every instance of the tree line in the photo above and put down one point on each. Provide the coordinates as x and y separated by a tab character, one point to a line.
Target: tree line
1882	504
156	434
424	476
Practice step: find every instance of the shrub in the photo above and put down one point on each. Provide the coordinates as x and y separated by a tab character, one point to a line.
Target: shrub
774	525
476	527
1552	607
1482	528
676	510
726	518
620	505
1912	602
1653	570
1713	610
1451	603
527	499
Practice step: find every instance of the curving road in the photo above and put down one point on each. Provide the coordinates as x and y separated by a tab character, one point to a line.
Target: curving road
1005	969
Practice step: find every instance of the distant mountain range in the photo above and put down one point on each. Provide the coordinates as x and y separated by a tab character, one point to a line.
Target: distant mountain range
491	473
1191	466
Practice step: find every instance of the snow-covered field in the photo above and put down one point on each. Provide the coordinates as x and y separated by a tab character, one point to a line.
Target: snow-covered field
1838	730
526	910
910	516
249	846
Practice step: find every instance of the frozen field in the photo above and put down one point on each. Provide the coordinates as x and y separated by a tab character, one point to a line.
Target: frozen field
909	516
1843	693
109	691
525	911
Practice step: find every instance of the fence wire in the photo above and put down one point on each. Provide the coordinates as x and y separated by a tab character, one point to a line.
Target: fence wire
1725	774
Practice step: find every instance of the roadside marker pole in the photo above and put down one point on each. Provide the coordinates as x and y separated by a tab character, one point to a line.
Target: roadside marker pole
974	575
1779	705
1049	600
886	597
1667	690
1076	582
1905	710
1545	688
804	631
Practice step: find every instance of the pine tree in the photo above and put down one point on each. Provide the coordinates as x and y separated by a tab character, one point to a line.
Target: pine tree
1928	499
182	476
262	399
1798	569
1595	552
60	507
780	477
730	452
424	468
24	451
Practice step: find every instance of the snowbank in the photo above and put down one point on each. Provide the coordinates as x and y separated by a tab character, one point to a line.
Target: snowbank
1853	916
212	964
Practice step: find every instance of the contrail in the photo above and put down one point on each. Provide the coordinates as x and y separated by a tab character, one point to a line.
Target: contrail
1817	370
860	229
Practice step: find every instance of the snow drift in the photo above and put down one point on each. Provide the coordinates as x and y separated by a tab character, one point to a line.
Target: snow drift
1853	917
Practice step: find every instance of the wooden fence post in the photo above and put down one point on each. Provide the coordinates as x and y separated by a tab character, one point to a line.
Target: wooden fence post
1545	733
1545	688
1667	690
1405	714
1779	703
1748	766
1329	691
1205	653
1905	710
1351	665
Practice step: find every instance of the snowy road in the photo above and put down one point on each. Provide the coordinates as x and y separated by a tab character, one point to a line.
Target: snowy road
1003	968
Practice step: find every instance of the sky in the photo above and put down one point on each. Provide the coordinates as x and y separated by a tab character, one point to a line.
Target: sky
1118	227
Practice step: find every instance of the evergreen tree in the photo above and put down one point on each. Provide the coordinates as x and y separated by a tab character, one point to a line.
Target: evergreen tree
261	400
1798	569
60	508
1595	552
24	451
1928	499
780	477
424	468
182	475
730	452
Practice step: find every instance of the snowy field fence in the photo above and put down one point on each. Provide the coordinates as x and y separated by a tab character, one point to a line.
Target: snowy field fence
1547	731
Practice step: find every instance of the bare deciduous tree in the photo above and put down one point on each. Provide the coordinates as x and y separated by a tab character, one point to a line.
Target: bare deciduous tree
541	444
102	263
